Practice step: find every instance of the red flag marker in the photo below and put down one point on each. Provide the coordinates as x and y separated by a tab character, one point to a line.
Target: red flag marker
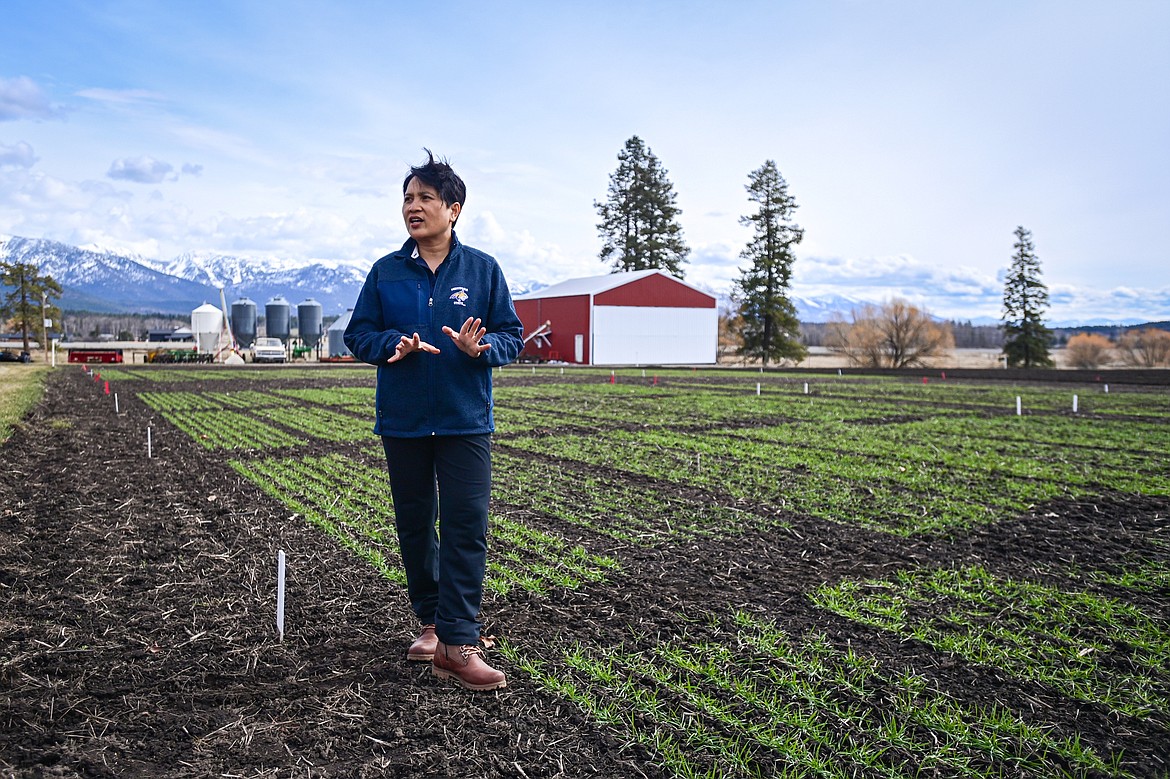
107	388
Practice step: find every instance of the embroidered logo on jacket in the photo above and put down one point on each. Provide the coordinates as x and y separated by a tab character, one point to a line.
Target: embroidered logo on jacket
459	295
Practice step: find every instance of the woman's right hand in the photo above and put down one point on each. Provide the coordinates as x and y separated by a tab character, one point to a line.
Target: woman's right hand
408	345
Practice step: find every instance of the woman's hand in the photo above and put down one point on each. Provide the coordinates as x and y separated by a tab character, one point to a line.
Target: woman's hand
468	337
408	345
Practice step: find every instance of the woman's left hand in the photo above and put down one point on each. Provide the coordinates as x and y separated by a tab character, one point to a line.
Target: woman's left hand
467	338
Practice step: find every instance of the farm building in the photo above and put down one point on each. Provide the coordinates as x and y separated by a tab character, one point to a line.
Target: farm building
635	318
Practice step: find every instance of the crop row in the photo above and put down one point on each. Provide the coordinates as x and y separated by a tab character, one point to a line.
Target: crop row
208	401
1090	647
209	419
228	374
359	516
609	506
761	703
230	430
906	478
334	396
710	404
320	423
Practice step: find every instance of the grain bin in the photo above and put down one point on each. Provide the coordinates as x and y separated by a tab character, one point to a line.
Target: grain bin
207	324
337	347
244	322
276	318
309	322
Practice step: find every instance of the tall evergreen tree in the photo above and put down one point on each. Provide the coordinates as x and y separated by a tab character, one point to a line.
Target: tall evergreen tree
639	228
768	325
26	303
1025	298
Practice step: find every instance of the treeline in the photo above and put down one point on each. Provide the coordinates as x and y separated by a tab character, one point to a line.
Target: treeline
1061	335
966	335
87	325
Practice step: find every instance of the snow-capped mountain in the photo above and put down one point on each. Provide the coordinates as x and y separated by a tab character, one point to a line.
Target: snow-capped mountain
108	282
332	284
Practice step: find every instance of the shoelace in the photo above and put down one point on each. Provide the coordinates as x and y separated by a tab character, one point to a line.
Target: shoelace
468	649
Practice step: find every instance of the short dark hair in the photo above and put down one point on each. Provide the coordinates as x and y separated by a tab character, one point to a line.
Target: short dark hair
441	176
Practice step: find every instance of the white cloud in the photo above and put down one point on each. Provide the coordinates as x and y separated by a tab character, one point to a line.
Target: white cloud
519	253
142	170
21	98
18	155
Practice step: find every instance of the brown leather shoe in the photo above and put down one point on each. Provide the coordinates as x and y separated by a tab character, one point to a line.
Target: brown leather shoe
465	664
423	648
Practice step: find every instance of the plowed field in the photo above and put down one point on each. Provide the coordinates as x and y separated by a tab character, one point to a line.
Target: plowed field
691	573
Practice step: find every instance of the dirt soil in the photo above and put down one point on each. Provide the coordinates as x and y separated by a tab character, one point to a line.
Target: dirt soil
137	622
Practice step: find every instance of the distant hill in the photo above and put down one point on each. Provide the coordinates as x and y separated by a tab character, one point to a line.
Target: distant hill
111	283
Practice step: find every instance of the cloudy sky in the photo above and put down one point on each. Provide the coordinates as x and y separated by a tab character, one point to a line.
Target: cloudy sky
915	136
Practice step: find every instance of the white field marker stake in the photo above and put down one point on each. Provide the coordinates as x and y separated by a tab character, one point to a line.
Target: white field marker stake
115	402
1106	389
1019	407
757	388
806	388
149	452
1074	404
280	593
698	462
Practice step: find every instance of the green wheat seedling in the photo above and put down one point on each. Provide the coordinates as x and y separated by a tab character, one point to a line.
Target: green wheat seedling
1089	647
357	517
320	423
230	430
916	478
207	401
1145	576
760	703
610	507
344	397
351	503
538	561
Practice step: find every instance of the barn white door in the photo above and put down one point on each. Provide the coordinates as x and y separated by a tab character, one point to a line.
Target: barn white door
579	348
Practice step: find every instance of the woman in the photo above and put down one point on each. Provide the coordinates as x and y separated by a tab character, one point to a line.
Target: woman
436	317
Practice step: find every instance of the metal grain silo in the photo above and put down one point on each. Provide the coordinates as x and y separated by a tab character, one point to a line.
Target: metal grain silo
206	324
309	322
276	318
337	347
244	322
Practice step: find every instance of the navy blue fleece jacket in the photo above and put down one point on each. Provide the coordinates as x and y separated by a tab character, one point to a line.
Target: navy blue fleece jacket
425	394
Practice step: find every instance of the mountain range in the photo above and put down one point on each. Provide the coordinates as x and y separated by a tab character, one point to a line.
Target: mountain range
108	282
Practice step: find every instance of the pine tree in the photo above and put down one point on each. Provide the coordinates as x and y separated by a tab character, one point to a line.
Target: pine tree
768	325
1025	299
639	227
26	304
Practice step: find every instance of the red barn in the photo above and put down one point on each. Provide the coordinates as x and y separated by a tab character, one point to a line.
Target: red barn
637	318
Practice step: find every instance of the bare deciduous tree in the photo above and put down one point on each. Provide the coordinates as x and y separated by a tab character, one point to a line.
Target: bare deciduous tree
893	335
1088	350
1146	348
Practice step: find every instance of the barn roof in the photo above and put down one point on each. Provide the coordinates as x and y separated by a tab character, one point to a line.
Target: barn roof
594	285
